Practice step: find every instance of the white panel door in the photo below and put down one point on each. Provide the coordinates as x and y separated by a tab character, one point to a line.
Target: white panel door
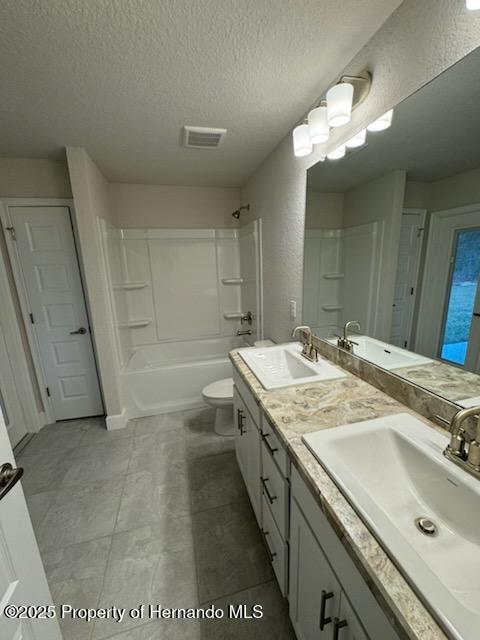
406	280
51	274
22	577
9	401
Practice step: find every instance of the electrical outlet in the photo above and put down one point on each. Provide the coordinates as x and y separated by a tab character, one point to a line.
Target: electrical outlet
293	309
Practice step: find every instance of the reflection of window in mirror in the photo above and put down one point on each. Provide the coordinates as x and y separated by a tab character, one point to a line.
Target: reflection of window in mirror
392	239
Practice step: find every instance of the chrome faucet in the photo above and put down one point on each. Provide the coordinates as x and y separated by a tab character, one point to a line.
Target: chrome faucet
344	341
462	451
308	350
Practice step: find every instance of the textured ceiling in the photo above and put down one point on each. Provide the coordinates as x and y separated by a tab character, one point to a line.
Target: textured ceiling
435	134
121	77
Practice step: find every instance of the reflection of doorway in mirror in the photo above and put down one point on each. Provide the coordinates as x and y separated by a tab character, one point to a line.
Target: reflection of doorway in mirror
406	282
461	312
448	325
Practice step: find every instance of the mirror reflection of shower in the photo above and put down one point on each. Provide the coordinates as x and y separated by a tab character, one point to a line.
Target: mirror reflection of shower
236	214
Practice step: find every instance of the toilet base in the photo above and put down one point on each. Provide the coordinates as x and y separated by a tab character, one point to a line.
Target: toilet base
224	422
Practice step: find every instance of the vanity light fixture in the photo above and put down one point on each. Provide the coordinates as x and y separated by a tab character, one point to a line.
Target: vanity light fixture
381	123
318	127
302	145
358	140
339	104
337	153
473	5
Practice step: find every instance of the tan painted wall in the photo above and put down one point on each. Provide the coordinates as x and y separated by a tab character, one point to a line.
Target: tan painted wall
150	206
34	178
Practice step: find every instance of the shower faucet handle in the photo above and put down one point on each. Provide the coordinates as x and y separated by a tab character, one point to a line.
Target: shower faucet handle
247	317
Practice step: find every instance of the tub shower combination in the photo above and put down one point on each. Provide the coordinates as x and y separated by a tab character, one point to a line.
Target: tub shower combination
178	297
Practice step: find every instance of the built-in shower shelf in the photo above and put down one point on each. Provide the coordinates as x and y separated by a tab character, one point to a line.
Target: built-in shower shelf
130	285
135	324
333	276
332	307
237	315
232	280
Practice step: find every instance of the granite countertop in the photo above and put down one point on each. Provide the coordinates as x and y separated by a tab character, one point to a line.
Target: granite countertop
294	411
443	379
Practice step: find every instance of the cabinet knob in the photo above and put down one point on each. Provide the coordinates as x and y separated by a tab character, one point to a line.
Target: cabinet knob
326	595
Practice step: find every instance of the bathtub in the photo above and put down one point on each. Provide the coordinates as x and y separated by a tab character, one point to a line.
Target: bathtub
383	354
170	376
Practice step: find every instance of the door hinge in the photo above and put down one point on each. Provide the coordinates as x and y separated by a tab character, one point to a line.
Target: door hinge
48	391
11	231
420	230
411	291
32	319
405	344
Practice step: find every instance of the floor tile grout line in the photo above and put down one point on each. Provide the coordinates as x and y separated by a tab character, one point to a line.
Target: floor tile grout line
236	593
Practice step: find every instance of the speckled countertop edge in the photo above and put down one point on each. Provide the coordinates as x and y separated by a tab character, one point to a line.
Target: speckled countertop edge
402	606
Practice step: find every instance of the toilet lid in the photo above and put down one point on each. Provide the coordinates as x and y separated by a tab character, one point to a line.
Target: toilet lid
221	389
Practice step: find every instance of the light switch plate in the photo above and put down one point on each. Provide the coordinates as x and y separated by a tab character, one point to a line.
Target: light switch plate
293	309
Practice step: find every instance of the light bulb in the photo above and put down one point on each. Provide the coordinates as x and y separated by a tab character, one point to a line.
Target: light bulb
358	139
339	104
318	125
302	145
382	123
473	5
337	153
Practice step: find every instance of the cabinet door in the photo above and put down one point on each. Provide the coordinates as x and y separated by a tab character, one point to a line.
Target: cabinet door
314	590
239	413
347	625
254	465
247	447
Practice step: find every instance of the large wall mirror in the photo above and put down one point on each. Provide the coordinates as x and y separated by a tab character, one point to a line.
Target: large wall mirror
392	240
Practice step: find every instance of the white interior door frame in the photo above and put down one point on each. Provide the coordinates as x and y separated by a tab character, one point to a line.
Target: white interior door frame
21	286
420	245
437	260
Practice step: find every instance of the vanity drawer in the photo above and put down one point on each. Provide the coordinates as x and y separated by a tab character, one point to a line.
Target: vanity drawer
275	447
247	397
275	491
277	548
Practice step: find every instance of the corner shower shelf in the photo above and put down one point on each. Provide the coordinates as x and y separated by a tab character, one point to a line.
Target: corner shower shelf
130	285
238	315
135	324
333	276
232	280
332	307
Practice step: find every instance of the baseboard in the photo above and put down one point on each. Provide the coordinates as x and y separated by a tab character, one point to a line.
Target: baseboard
117	421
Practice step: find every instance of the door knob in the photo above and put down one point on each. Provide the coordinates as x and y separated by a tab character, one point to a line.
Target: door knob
8	478
80	331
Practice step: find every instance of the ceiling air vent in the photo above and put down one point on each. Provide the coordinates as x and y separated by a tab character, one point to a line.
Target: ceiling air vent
203	137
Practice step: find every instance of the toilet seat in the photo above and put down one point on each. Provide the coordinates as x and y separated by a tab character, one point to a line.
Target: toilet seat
219	392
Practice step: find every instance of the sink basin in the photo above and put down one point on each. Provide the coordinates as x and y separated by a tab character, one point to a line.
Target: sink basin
393	472
284	366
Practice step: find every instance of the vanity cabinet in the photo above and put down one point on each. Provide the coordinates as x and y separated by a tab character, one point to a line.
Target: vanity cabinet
247	448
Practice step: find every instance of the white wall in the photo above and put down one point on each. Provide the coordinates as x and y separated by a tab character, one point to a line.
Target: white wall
91	199
455	191
419	41
170	207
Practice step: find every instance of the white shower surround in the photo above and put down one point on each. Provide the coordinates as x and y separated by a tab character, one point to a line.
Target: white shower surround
172	291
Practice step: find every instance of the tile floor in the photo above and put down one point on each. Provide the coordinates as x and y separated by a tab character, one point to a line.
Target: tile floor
154	513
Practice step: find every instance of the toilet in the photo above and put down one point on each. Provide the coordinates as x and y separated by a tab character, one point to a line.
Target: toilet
219	395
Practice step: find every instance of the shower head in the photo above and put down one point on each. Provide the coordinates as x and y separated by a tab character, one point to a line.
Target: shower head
236	214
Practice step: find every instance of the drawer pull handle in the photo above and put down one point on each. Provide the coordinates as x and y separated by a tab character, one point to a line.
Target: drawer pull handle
323	620
337	625
269	446
271	554
240	419
271	498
